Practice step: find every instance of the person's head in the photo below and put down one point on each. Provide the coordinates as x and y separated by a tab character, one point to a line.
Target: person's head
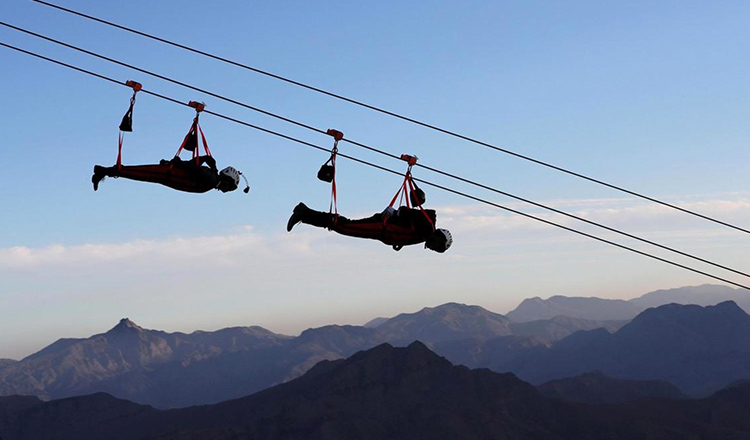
439	241
229	179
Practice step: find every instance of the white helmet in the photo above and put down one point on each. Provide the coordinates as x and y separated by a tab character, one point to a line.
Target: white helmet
440	241
230	179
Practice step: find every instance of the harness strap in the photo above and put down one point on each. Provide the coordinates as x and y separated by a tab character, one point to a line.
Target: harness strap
205	144
333	208
127	120
403	191
187	136
421	208
119	151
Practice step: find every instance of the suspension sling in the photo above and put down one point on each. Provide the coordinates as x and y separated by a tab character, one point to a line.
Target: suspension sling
190	143
327	172
416	196
126	125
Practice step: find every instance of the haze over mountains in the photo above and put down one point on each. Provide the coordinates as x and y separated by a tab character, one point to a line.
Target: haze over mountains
699	349
176	369
533	309
384	392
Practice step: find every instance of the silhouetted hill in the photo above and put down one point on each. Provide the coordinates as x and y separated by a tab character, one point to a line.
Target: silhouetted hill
699	349
94	416
596	388
385	392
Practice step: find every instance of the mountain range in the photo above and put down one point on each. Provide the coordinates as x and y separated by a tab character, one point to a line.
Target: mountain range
177	369
169	370
699	349
384	392
536	308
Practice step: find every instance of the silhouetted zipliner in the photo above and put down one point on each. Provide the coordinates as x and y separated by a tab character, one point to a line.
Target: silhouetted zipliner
196	175
397	228
187	176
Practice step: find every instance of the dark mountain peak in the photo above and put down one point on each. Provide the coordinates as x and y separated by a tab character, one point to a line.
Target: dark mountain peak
126	326
729	308
382	364
392	362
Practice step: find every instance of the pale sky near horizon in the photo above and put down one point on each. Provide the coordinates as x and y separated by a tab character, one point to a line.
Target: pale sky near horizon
651	96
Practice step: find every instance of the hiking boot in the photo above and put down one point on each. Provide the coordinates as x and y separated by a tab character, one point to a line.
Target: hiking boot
98	176
296	216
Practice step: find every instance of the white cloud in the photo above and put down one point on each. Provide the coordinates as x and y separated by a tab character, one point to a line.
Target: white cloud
471	225
179	250
616	213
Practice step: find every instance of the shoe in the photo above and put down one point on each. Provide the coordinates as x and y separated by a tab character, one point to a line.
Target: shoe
97	177
296	216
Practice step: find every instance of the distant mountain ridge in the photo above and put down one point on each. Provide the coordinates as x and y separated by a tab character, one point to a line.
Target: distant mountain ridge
699	349
533	309
127	360
177	369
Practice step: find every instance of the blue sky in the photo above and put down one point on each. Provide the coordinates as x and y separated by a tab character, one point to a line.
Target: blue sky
651	96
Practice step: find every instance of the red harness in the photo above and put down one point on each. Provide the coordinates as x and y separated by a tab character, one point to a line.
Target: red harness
190	142
407	187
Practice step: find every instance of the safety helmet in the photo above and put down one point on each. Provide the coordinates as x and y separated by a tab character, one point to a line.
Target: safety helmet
229	179
440	241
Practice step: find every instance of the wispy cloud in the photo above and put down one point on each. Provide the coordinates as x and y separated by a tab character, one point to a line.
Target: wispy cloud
470	224
615	213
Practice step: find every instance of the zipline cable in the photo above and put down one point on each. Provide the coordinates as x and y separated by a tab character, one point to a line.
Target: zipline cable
395	115
398	173
435	170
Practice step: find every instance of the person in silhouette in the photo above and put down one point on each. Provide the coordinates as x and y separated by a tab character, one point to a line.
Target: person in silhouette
195	176
397	228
